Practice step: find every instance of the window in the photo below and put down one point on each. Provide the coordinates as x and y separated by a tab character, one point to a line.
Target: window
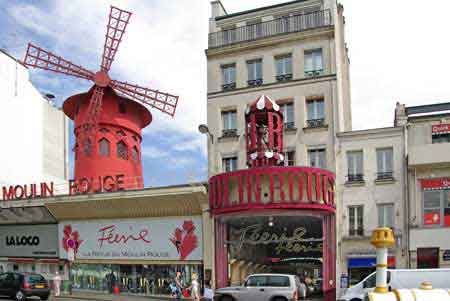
229	164
122	150
229	77
254	69
283	24
287	109
316	113
436	208
289	158
104	147
256	281
355	219
386	215
440	138
87	147
135	154
355	166
229	123
278	281
229	35
384	163
313	62
284	67
254	29
317	158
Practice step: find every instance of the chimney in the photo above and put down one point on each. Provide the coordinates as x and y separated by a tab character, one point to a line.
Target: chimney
400	115
217	9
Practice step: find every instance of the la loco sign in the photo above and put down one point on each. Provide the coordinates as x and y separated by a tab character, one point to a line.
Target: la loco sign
150	239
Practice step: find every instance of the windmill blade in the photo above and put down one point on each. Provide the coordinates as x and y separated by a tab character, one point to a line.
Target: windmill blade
90	123
166	103
39	58
118	21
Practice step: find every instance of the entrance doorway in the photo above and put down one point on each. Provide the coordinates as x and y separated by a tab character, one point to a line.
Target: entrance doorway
276	244
428	258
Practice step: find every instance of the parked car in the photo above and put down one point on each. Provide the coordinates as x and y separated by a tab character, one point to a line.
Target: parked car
262	287
19	286
399	279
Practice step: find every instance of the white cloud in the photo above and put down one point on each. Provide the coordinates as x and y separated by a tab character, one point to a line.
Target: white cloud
153	152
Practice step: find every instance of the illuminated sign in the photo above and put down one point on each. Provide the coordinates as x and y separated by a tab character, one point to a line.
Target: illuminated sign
440	129
80	186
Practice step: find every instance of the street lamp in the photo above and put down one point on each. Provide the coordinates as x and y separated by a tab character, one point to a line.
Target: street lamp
204	129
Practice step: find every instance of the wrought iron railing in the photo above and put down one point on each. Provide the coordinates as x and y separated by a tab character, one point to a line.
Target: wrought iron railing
255	82
314	73
284	77
355	178
230	86
386	175
289	125
315	123
278	26
229	133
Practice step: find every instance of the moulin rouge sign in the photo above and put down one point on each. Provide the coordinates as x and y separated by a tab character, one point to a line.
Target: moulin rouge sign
82	186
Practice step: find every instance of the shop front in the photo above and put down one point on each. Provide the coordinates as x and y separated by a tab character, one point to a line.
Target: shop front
30	248
137	256
275	220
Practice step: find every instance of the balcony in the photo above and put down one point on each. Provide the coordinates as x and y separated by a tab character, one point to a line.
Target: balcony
230	133
275	27
429	155
385	176
314	73
355	179
230	86
284	77
315	123
255	82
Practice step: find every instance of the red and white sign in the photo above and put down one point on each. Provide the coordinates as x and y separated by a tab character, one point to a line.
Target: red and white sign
432	218
149	239
440	129
435	184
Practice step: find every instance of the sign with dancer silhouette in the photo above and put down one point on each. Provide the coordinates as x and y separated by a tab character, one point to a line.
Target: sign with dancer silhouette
151	239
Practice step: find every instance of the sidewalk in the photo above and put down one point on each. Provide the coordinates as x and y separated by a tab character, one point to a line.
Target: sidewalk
110	297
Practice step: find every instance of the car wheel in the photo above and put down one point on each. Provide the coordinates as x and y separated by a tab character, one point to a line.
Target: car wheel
20	296
356	299
226	298
279	299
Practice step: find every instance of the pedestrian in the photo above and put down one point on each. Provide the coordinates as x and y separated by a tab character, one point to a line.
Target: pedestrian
179	285
57	284
195	287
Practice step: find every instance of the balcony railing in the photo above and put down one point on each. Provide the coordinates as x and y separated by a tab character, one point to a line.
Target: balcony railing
261	30
229	133
284	77
386	175
315	123
229	86
255	82
313	73
355	178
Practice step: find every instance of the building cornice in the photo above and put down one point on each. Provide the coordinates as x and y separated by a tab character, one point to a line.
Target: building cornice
378	132
271	86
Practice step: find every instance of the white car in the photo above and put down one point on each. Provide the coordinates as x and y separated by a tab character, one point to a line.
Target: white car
398	279
262	287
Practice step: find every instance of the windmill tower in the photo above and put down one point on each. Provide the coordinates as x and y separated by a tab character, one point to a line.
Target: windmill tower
108	119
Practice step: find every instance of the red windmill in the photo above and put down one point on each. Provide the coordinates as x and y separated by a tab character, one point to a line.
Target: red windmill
108	118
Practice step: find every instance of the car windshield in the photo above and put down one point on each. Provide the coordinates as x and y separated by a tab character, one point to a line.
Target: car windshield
35	279
274	281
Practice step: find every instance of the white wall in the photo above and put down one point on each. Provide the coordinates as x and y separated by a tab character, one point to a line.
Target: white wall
34	134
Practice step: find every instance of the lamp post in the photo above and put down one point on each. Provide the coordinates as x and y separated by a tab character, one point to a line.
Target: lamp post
204	129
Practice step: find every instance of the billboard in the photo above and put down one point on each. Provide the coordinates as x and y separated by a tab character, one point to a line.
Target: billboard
36	241
178	238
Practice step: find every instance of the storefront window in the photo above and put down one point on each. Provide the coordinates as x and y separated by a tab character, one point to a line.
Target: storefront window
436	207
133	279
275	244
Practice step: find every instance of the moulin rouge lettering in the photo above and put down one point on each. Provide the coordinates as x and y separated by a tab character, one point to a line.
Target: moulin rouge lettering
80	186
109	235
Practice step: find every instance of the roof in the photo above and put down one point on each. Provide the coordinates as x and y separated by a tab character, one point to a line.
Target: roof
258	9
431	108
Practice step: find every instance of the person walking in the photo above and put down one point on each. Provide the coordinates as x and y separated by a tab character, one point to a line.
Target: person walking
195	287
57	284
179	285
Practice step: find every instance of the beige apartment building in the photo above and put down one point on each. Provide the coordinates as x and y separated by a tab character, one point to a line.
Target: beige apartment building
428	182
292	52
371	187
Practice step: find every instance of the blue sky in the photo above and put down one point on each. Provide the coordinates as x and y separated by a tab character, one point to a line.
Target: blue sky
398	52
